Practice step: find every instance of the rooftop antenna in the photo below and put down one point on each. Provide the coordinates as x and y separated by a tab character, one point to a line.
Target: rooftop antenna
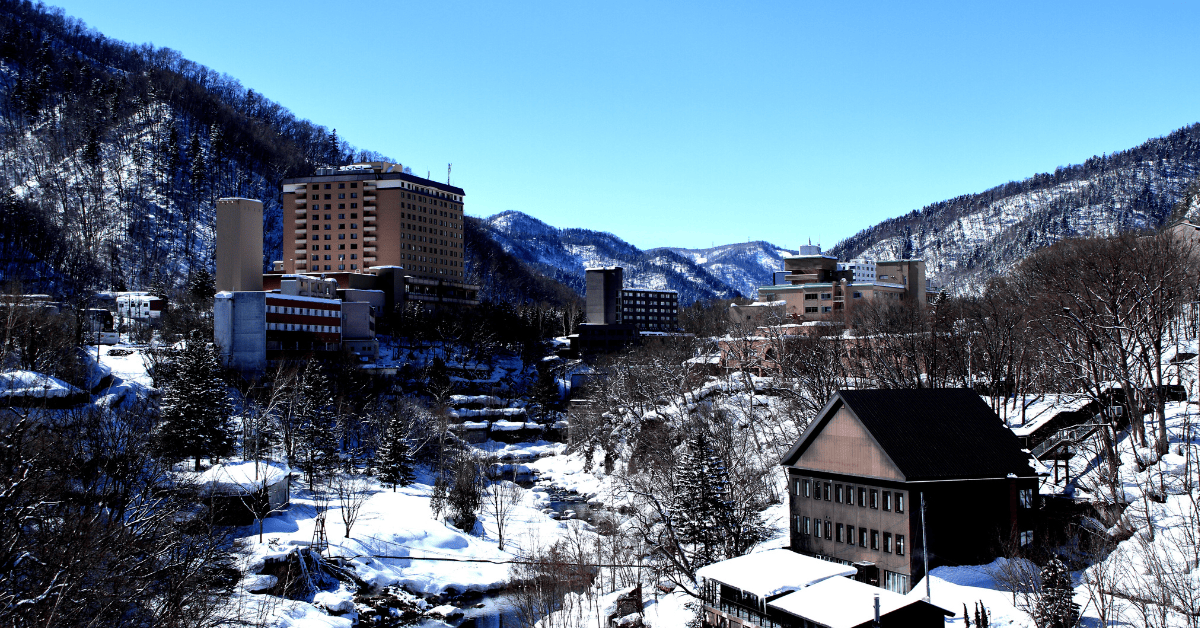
448	173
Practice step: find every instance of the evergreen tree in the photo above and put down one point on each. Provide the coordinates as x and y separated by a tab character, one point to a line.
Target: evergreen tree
195	406
396	464
316	447
1055	607
700	515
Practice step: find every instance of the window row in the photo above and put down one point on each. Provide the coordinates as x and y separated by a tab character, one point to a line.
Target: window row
850	535
845	494
323	329
303	311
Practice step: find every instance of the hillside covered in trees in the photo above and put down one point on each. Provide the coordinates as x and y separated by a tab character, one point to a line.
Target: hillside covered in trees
967	239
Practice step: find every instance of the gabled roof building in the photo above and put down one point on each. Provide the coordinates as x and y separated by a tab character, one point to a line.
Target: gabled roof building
871	459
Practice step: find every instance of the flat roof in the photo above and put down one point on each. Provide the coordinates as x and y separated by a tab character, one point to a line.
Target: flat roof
842	602
371	175
773	572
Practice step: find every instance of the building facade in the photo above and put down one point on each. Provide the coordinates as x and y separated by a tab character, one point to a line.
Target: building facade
356	217
819	287
649	310
872	459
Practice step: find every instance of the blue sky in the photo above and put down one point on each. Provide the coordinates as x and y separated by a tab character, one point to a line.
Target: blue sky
693	123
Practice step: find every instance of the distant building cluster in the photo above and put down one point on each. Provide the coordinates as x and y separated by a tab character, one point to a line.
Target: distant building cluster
618	316
359	241
815	286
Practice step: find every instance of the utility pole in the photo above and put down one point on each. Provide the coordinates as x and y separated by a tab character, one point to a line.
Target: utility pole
925	549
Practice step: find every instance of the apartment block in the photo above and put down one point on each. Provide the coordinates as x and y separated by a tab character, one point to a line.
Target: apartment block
649	310
353	218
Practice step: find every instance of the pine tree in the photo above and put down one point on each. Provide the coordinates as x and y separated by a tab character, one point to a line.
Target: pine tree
316	447
1055	607
702	503
195	406
396	464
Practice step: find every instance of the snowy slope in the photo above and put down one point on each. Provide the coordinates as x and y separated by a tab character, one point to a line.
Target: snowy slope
968	239
742	266
563	254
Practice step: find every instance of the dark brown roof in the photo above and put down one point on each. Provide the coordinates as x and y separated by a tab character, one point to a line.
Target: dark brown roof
931	434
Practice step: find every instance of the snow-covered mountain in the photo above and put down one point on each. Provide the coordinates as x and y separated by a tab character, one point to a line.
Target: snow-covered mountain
563	254
966	240
742	266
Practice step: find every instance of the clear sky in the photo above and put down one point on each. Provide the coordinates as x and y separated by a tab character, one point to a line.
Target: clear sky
693	123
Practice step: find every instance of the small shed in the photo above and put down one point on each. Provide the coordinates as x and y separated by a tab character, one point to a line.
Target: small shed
241	492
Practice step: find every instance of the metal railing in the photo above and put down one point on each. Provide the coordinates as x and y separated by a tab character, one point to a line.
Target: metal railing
1067	436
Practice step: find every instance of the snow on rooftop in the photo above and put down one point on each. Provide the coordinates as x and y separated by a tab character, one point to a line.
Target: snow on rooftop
247	475
841	602
772	572
34	384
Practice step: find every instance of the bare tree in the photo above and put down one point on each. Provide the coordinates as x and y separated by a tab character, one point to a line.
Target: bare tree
351	491
501	498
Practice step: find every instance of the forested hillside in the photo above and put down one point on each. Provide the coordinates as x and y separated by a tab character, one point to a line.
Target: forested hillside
966	240
112	155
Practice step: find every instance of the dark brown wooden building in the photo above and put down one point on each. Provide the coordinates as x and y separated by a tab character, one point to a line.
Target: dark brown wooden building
859	473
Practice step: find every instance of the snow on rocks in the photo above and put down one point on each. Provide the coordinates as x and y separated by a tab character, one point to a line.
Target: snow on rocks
34	385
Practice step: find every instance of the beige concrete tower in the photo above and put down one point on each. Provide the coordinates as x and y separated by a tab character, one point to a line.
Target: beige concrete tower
239	245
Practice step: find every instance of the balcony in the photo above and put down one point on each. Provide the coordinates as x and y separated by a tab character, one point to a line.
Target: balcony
302	200
301	211
301	252
369	259
301	231
369	238
369	249
301	221
367	228
368	197
369	217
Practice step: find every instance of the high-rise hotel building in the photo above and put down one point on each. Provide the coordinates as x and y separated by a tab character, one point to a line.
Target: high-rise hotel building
357	217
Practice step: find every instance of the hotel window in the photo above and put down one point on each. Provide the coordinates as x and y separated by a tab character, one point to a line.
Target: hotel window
342	196
354	195
341	236
895	582
887	500
353	246
316	197
341	225
328	257
887	542
828	530
342	257
825	296
839	493
899	502
817	527
795	486
353	185
826	309
874	539
807	488
316	257
341	186
327	186
353	266
341	206
1026	537
850	534
862	537
353	236
874	498
353	205
354	256
849	495
1026	495
810	296
858	295
806	524
862	497
899	544
810	310
341	216
353	216
328	206
353	225
341	267
827	491
840	533
328	197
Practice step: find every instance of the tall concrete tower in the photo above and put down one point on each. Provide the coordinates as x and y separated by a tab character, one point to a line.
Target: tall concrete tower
603	288
239	245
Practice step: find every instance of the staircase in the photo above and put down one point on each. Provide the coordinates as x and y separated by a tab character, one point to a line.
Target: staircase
1063	443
